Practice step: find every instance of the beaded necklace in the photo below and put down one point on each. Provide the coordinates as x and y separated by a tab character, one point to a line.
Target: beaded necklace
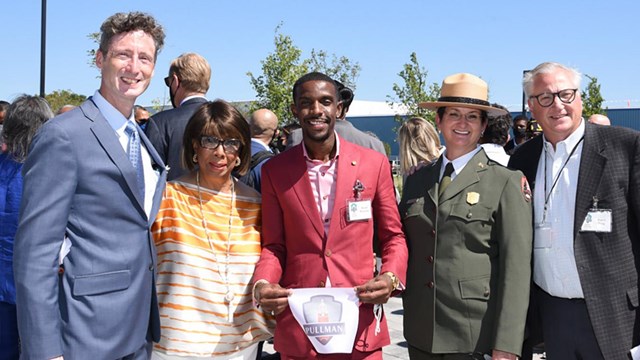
229	295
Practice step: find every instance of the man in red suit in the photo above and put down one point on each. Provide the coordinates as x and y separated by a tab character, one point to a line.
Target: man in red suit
310	237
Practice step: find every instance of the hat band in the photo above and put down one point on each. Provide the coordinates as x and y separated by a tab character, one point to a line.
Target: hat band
465	100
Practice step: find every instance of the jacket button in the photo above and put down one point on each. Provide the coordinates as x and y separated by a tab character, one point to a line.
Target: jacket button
430	284
433	232
486	292
151	267
430	259
60	270
469	215
321	284
327	253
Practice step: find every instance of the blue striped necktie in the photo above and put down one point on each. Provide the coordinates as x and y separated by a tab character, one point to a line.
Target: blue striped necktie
133	150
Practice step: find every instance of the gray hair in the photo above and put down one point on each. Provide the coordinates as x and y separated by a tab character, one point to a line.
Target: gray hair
547	68
25	116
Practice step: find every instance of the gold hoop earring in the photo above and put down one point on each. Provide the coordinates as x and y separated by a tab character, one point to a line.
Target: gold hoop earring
195	158
238	161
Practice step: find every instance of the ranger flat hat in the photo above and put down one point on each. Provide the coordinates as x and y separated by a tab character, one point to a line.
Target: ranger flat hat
464	90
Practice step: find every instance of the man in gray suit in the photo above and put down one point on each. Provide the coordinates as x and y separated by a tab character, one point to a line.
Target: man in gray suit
84	258
188	82
586	196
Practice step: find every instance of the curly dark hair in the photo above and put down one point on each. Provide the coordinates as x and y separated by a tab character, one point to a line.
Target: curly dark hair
126	22
497	131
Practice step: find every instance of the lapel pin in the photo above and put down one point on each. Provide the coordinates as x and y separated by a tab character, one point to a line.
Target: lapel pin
481	165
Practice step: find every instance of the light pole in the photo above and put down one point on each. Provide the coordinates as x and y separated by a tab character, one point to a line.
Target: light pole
524	100
43	45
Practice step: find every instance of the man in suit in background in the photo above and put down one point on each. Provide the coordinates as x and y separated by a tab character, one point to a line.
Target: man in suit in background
188	83
586	223
310	241
344	128
84	258
263	124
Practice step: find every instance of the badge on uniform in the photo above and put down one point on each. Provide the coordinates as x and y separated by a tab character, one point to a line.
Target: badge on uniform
597	220
358	209
473	198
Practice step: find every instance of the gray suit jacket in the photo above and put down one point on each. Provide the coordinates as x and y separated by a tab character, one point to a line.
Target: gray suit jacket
165	131
347	131
79	183
608	263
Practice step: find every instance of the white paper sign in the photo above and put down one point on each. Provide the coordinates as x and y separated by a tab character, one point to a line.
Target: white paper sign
328	316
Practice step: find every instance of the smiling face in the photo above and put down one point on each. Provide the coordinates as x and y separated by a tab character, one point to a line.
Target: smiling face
316	107
216	164
461	129
126	69
559	120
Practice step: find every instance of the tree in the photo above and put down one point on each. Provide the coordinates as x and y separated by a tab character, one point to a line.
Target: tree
340	68
592	99
91	53
414	91
280	70
285	65
60	98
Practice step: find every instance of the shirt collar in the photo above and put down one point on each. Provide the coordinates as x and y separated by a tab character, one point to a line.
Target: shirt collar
113	116
461	161
191	97
570	142
306	155
260	144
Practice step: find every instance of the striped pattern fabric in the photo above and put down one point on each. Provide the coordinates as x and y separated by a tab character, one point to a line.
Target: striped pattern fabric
191	290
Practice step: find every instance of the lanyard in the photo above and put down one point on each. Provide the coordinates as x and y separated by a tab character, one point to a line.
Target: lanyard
547	196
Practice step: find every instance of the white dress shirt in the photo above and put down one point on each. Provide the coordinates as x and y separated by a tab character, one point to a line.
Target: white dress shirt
496	153
554	263
459	163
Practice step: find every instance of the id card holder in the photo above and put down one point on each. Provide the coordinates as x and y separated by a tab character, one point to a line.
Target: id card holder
542	236
359	210
597	220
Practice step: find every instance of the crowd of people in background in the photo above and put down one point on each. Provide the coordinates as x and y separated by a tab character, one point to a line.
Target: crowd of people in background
197	233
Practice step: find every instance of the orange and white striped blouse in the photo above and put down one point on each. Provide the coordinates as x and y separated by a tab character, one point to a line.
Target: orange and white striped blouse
191	291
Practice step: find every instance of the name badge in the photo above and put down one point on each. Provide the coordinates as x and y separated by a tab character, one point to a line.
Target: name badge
359	210
597	220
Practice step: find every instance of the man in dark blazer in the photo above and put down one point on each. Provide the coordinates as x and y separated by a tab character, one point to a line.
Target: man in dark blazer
188	83
585	179
84	258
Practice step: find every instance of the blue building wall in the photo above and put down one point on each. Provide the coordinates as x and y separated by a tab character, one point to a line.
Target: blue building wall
383	126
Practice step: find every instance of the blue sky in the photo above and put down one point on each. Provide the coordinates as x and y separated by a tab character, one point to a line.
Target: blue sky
495	40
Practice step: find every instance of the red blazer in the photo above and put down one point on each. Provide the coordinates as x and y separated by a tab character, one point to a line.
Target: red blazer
295	253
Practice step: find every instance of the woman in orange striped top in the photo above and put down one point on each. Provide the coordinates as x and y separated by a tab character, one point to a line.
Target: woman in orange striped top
207	236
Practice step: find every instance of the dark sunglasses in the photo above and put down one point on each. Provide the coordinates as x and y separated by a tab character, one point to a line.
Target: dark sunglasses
168	80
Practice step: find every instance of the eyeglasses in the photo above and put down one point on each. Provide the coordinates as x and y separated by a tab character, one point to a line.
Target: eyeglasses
454	115
229	145
168	81
546	99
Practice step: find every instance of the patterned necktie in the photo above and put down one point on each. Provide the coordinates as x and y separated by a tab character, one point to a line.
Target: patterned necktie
446	178
133	150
